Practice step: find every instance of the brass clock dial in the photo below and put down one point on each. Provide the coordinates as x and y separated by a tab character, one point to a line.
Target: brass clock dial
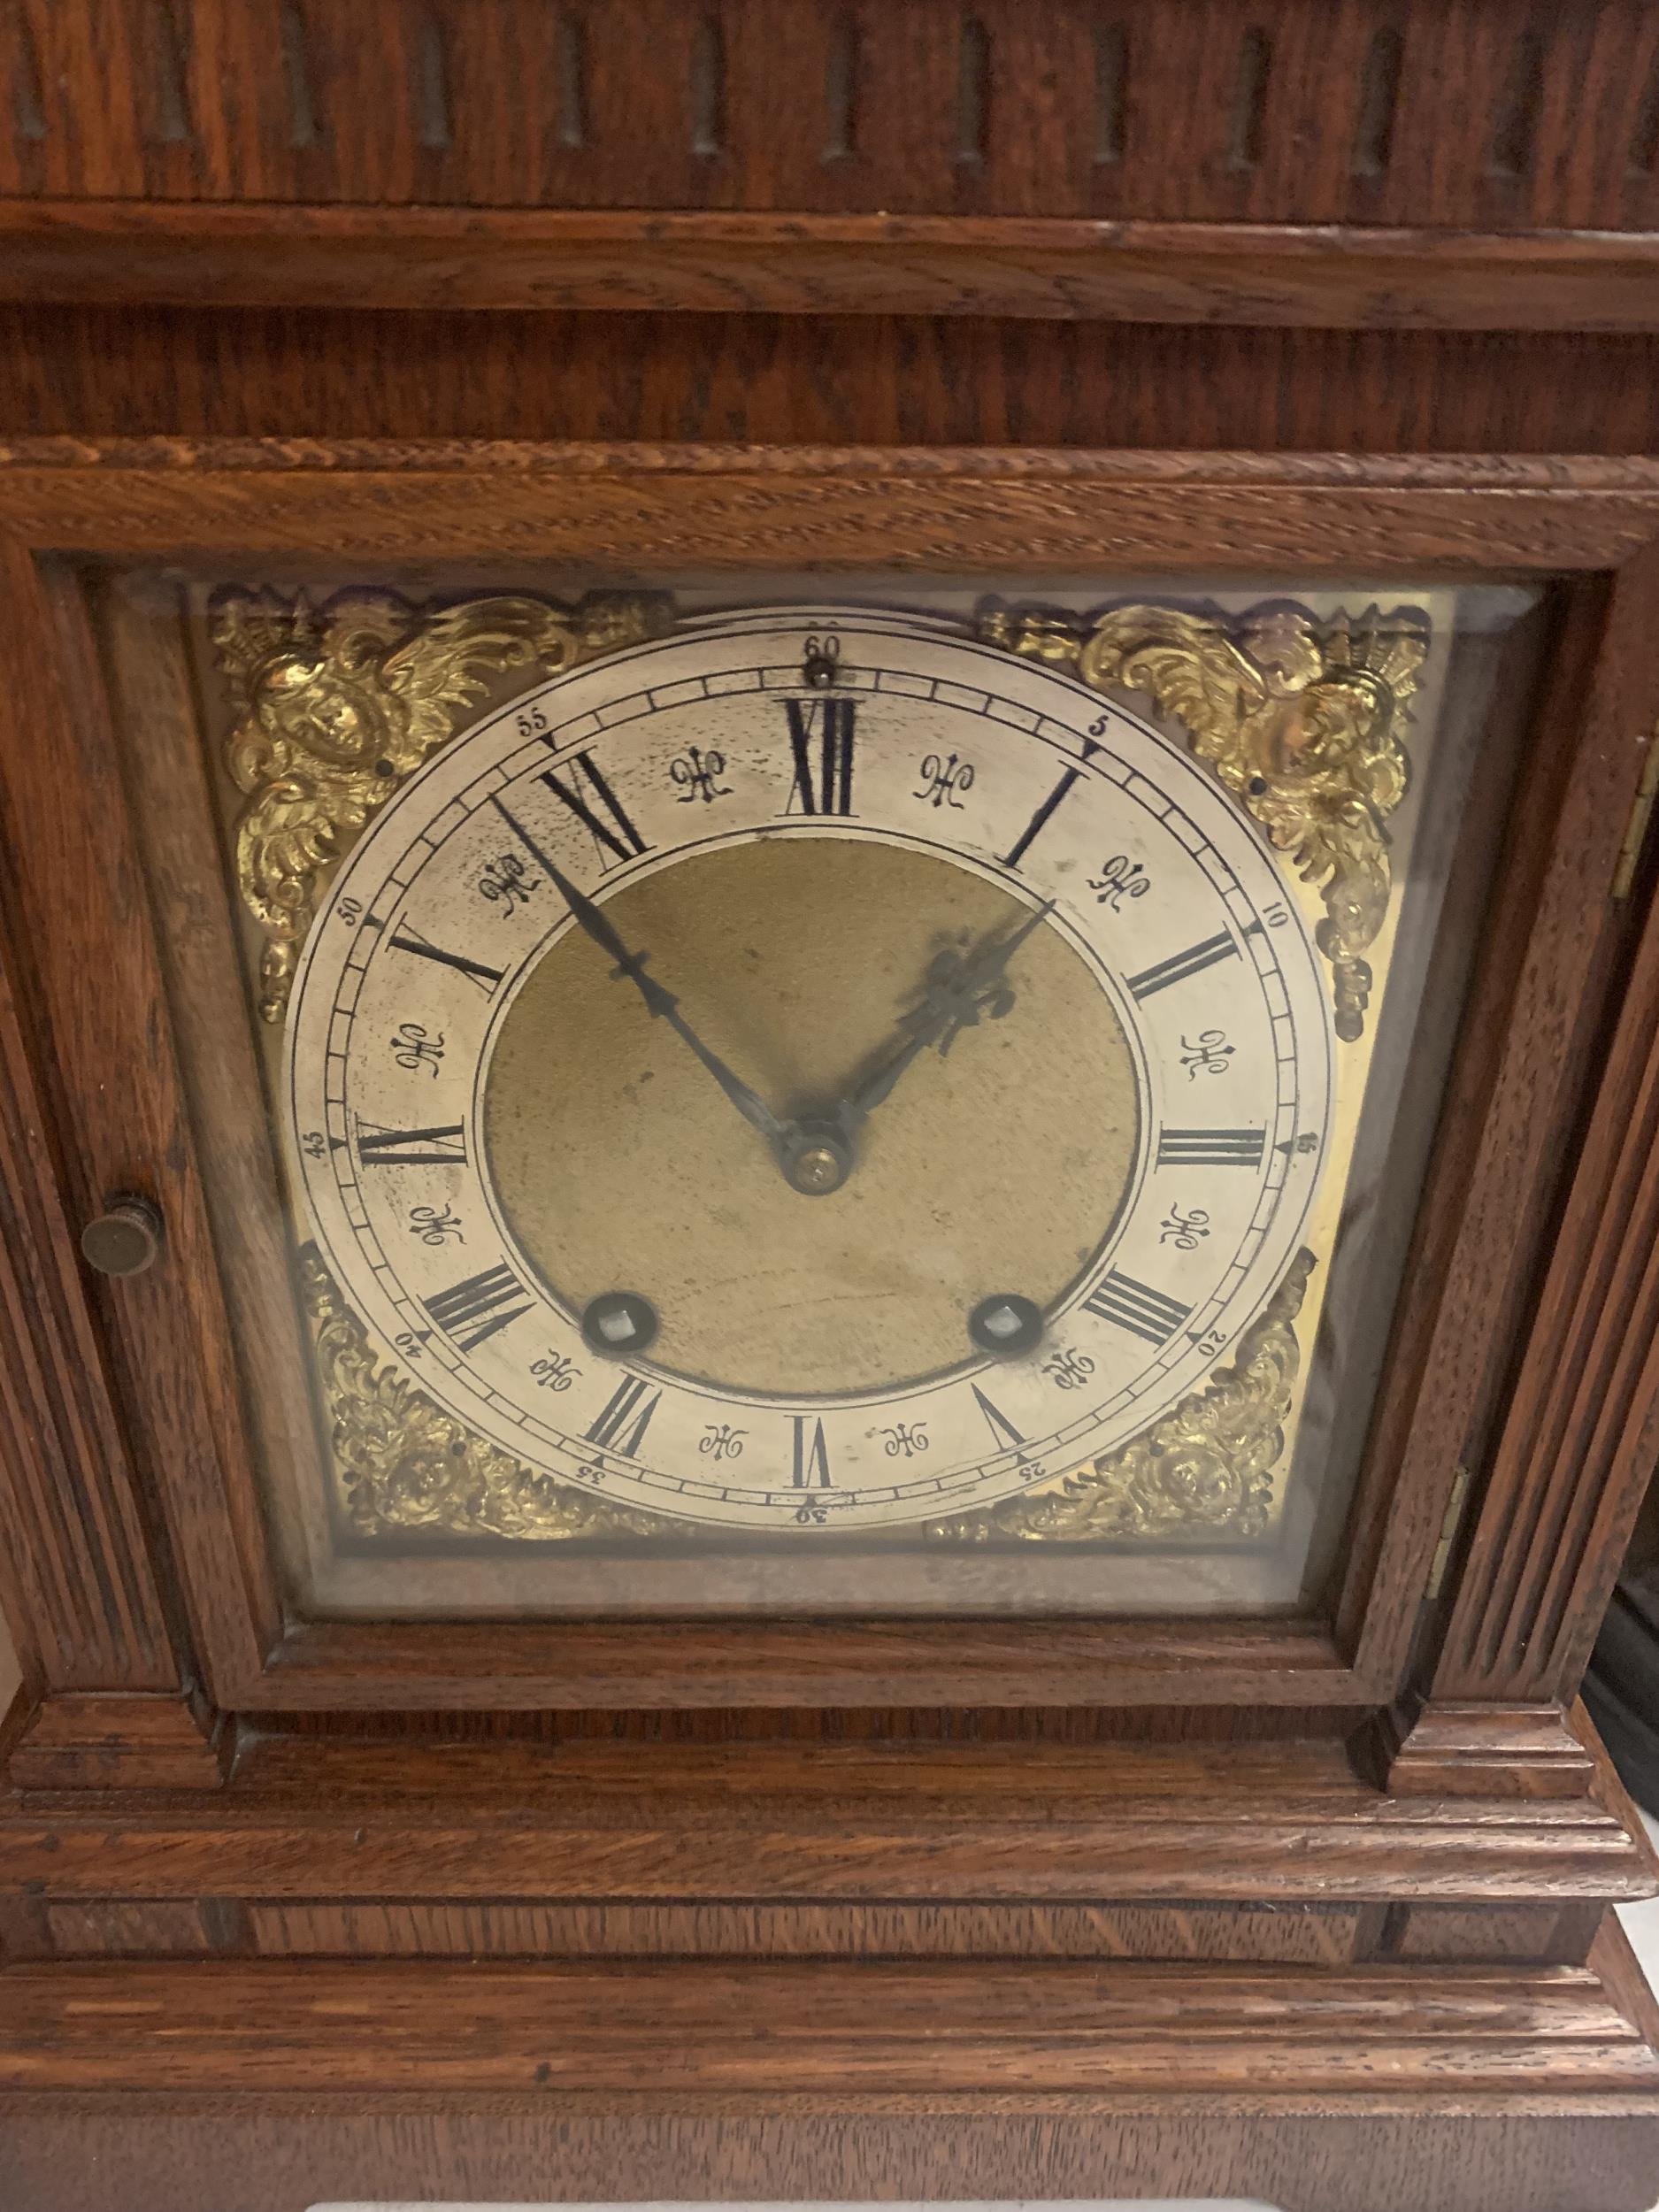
812	1072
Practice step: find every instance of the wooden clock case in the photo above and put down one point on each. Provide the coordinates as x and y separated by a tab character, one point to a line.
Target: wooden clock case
1315	1910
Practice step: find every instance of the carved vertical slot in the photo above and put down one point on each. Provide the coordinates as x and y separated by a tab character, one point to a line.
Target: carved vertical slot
1514	126
840	89
973	93
169	104
1378	103
432	87
1112	91
28	104
708	86
1249	99
296	78
1643	157
571	43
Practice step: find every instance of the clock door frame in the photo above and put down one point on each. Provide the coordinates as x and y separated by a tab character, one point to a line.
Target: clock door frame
142	1563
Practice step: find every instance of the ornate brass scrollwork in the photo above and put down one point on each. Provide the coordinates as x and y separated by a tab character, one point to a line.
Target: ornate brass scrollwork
404	1465
1206	1469
1301	721
336	705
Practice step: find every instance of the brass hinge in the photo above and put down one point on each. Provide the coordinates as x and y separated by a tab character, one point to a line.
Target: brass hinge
1636	828
1449	1534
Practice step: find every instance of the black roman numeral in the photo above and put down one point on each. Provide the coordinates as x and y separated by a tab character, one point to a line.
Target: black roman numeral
601	813
823	785
811	1458
627	1410
1022	843
1211	1148
1132	1306
413	1147
1008	1437
410	940
1180	965
474	1310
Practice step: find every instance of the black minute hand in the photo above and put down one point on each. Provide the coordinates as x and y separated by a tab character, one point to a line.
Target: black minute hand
659	1000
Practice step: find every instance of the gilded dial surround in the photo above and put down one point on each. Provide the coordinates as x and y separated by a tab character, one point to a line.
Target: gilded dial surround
1168	919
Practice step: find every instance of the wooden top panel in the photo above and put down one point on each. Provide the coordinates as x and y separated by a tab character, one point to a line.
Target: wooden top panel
1496	114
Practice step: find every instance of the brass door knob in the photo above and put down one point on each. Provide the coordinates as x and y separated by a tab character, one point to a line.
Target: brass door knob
124	1240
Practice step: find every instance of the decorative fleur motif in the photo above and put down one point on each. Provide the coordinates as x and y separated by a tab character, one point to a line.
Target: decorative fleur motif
336	705
1300	719
404	1464
1205	1468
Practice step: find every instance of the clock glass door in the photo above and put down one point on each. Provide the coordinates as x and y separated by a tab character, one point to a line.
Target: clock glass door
884	1099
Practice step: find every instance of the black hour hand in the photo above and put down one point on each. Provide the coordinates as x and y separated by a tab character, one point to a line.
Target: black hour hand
961	990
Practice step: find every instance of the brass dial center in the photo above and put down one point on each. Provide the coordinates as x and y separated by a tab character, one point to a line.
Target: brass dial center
616	1160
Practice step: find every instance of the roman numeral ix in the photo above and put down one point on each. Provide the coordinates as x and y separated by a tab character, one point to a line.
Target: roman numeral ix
413	1147
470	1311
1132	1306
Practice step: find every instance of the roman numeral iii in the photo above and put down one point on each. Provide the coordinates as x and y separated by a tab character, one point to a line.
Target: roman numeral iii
589	797
821	740
1132	1306
472	1311
1211	1148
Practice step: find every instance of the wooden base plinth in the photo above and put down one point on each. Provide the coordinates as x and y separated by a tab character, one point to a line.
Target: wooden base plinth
272	2088
74	1742
561	1969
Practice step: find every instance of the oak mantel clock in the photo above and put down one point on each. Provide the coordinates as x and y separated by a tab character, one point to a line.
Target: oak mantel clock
828	969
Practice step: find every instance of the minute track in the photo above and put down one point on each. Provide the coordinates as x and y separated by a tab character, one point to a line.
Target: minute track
1091	820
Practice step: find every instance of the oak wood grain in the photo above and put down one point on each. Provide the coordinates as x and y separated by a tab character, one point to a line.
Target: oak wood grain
510	1928
76	1741
821	379
1520	2151
1578	1443
637	1818
194	254
935	506
84	1591
66	820
1253	110
875	2027
969	510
